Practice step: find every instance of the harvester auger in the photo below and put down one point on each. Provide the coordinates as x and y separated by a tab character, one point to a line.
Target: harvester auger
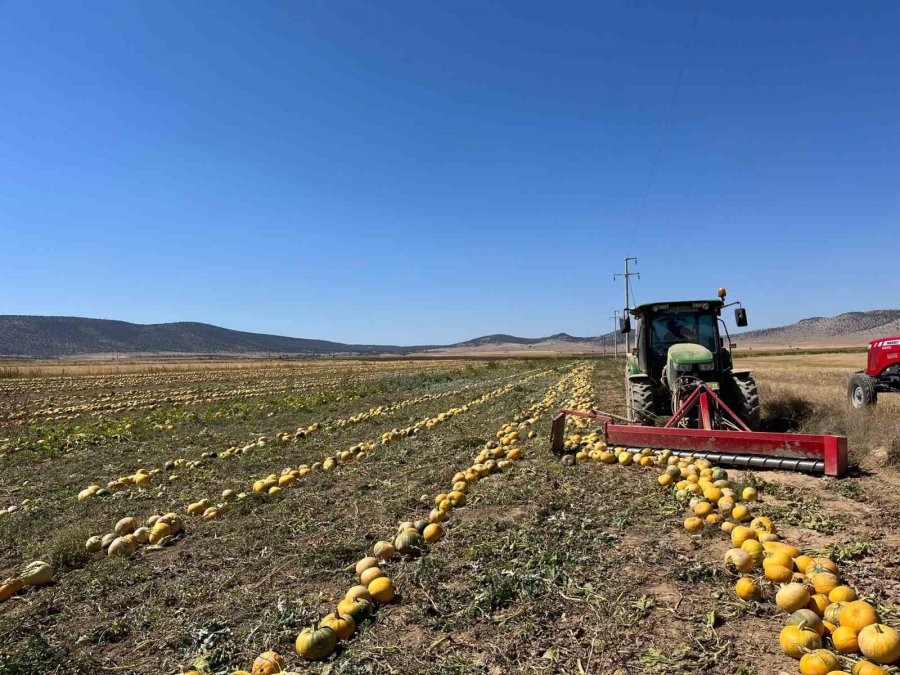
681	369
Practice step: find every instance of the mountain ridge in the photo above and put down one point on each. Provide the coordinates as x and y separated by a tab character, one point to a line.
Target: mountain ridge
62	336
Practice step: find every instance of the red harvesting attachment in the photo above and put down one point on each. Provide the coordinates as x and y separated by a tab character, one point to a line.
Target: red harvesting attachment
735	446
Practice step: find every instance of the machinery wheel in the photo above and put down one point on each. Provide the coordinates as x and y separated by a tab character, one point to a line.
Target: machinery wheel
640	402
745	398
861	392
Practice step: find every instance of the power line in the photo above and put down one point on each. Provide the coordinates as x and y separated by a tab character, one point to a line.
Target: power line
665	130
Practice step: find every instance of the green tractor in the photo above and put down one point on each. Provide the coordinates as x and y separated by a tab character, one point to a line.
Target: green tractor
678	346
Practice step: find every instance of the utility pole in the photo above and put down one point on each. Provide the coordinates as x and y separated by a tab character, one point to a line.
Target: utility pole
627	275
615	318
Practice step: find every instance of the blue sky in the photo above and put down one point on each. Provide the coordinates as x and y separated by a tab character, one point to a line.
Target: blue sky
422	172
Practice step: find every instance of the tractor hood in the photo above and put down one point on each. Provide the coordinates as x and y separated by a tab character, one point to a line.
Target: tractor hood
689	354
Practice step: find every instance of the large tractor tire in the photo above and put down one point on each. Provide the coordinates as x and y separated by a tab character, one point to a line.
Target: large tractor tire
861	392
744	398
641	408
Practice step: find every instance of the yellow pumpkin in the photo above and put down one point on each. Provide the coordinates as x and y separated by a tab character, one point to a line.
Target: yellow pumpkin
824	565
867	668
792	597
358	608
159	531
879	643
824	582
268	663
746	590
749	494
382	589
740	534
775	546
778	558
818	603
365	564
857	615
763	524
842	594
818	662
797	640
358	592
314	644
457	498
802	562
845	640
343	626
433	533
740	513
780	575
693	524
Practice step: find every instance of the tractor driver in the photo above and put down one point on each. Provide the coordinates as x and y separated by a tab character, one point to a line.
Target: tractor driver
678	332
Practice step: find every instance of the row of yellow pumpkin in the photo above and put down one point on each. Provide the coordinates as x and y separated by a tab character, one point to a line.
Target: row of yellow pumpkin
410	539
853	627
142	476
127	543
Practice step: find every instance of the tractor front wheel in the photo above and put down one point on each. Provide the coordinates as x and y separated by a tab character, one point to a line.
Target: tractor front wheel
640	402
861	392
744	395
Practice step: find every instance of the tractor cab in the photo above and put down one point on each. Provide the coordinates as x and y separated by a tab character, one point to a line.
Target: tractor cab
678	348
674	339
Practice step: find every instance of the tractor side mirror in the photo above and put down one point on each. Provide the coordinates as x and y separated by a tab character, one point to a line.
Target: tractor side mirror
740	317
625	325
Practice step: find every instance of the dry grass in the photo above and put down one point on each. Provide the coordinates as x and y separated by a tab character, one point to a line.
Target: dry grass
809	393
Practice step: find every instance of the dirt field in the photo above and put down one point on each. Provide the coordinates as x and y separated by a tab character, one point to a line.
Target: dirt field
545	569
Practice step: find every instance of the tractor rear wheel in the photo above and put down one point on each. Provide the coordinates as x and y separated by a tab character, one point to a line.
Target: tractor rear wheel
861	391
641	408
744	396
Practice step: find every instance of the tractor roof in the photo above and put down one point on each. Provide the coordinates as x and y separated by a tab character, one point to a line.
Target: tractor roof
666	305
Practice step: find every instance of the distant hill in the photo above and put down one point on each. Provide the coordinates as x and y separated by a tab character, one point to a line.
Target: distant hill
851	326
57	336
51	336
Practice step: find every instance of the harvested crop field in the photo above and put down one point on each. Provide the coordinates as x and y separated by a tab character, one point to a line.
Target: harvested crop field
534	566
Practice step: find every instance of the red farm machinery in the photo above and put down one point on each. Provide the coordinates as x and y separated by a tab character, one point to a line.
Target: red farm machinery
881	376
684	395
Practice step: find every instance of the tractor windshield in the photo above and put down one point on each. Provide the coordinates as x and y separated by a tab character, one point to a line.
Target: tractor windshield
670	328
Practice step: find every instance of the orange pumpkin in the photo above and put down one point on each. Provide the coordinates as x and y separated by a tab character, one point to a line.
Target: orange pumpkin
867	668
746	589
857	615
819	662
824	582
845	640
343	626
268	663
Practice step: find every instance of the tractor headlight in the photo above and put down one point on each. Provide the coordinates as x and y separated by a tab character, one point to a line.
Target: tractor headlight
707	366
684	367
